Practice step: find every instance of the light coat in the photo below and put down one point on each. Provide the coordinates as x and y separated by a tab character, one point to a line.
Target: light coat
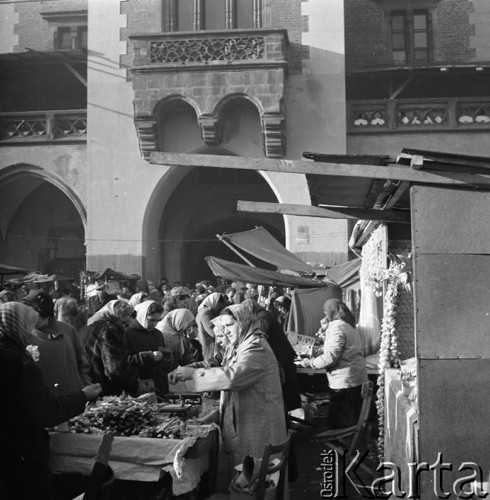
342	356
252	411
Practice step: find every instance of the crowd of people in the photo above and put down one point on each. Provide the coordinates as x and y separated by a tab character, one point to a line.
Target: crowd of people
66	349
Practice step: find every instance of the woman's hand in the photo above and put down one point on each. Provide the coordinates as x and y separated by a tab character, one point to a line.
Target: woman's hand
92	391
306	363
181	374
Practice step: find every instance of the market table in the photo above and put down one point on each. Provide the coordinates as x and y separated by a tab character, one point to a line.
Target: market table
141	459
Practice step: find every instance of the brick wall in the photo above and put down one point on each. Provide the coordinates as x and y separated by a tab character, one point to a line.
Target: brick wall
143	16
366	34
34	31
287	14
453	31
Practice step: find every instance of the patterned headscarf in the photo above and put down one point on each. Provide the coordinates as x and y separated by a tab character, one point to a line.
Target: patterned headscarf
248	325
16	322
142	312
176	321
251	306
114	309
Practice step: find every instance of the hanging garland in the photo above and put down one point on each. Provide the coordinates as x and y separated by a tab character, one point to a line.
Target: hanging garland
389	356
373	271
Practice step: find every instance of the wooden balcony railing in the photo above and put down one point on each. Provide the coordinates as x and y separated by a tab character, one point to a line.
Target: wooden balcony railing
43	126
414	115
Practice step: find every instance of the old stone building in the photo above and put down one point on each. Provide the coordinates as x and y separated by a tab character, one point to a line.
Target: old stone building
91	88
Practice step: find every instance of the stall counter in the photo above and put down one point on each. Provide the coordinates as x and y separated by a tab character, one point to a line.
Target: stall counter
140	459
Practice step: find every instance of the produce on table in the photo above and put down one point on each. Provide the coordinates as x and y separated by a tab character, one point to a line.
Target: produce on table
125	416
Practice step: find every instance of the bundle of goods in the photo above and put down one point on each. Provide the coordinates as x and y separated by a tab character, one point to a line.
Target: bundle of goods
125	416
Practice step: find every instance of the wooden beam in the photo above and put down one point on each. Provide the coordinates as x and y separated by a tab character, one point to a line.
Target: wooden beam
326	213
393	171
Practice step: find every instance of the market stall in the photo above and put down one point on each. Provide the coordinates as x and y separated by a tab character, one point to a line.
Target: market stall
151	440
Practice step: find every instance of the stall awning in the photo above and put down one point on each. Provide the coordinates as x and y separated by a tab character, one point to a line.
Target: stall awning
345	274
261	244
241	272
7	269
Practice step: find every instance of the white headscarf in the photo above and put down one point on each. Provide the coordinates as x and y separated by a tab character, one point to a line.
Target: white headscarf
114	309
138	298
142	312
176	321
211	301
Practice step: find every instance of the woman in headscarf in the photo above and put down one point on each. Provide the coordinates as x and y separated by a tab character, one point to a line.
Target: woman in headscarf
251	406
138	298
282	349
209	309
27	411
179	332
107	350
147	349
62	358
345	365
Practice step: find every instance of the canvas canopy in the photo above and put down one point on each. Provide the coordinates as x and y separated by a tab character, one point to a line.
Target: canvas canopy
346	274
261	244
259	276
6	269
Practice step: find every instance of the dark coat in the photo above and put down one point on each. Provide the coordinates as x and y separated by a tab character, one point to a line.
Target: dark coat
141	344
28	408
107	351
285	355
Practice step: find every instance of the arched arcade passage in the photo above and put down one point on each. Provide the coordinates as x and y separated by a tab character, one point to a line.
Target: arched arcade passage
203	205
41	226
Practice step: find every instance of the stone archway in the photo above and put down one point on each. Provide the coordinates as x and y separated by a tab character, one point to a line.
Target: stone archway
42	222
202	205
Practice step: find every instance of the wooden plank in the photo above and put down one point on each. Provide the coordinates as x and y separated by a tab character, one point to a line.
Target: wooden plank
395	172
451	299
326	213
450	220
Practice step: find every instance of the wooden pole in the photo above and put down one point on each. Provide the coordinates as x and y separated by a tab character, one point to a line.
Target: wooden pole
231	247
327	213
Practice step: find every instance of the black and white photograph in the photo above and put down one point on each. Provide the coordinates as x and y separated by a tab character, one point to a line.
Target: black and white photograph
244	249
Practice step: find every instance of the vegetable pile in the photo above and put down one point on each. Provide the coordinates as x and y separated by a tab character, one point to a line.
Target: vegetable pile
127	417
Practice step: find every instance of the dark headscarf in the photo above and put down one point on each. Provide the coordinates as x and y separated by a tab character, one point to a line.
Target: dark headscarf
336	309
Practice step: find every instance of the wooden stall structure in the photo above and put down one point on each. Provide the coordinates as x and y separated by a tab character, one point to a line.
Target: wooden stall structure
442	202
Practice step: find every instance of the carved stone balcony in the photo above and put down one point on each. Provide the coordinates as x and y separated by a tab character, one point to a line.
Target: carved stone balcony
43	126
204	68
415	115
